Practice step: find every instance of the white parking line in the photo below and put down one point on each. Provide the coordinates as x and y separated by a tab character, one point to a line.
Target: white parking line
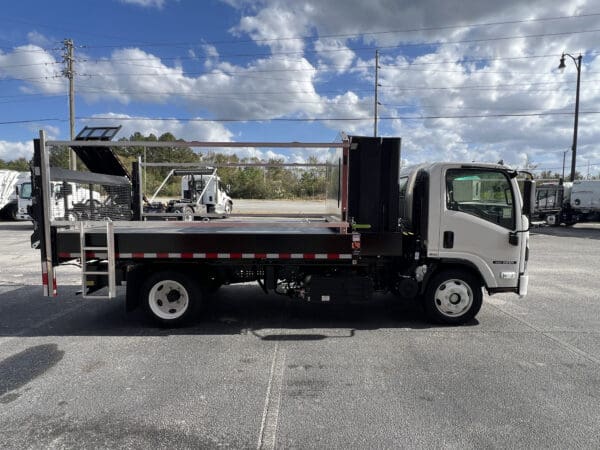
268	427
557	340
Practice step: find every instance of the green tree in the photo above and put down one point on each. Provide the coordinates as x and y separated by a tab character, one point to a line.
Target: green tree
20	165
549	175
312	181
167	154
59	157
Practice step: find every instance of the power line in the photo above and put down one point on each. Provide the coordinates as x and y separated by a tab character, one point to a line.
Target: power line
322	36
24	100
334	119
353	35
14	122
19	50
189	74
389	47
297	119
49	77
31	65
327	68
555	168
407	66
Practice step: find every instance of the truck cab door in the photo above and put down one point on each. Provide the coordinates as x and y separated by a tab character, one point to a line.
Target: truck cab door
480	213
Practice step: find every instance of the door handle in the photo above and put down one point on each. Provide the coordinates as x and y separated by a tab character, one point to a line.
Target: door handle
448	239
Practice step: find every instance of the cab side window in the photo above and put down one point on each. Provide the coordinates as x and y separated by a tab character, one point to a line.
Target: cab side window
486	194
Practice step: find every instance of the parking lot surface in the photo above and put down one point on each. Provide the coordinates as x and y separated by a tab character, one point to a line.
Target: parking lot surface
258	371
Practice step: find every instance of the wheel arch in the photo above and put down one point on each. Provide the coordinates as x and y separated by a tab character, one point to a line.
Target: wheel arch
138	273
452	264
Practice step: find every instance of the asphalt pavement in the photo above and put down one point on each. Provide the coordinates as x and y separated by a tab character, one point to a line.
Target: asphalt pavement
257	371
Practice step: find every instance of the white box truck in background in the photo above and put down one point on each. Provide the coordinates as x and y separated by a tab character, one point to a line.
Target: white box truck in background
569	202
9	179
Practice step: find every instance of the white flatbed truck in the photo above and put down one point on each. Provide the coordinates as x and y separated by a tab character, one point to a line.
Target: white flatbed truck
420	232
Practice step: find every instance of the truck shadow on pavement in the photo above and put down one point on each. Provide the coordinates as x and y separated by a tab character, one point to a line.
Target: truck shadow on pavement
24	312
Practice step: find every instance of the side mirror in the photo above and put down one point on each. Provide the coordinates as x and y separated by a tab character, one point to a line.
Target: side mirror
528	198
17	190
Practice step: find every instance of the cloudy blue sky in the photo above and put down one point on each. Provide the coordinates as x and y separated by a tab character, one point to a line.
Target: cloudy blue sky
459	80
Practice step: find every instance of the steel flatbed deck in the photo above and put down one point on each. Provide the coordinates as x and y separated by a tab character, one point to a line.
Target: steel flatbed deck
253	238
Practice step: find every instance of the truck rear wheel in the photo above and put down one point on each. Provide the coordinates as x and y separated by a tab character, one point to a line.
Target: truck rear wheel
170	297
453	297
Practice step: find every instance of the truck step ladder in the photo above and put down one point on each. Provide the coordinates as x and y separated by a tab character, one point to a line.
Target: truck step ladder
109	250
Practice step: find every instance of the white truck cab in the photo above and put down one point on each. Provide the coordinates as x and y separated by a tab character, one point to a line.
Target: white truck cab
68	200
202	195
473	219
23	200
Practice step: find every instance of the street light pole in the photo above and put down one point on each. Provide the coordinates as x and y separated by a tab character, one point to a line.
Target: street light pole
561	66
376	106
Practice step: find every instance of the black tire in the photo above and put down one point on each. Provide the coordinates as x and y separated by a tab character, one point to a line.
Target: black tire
453	297
170	298
228	208
9	212
12	212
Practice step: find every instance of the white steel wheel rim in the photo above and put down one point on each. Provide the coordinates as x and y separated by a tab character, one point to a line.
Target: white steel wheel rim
453	298
227	208
188	215
168	299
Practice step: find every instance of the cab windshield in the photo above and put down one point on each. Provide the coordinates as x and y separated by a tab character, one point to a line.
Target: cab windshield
486	194
25	191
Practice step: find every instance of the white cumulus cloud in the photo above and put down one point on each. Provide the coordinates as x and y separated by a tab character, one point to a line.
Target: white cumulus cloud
146	3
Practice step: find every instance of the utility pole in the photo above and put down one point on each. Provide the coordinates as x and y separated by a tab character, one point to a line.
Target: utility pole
70	74
376	86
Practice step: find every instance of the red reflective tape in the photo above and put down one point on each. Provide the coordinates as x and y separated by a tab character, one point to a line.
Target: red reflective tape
162	255
260	255
45	279
235	255
64	255
187	255
138	255
212	255
285	255
309	256
333	256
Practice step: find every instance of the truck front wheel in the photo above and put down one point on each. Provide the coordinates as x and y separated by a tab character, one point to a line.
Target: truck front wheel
453	297
170	297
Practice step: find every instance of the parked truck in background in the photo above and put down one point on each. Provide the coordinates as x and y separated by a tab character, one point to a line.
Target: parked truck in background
23	191
436	233
69	201
9	180
568	203
203	196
